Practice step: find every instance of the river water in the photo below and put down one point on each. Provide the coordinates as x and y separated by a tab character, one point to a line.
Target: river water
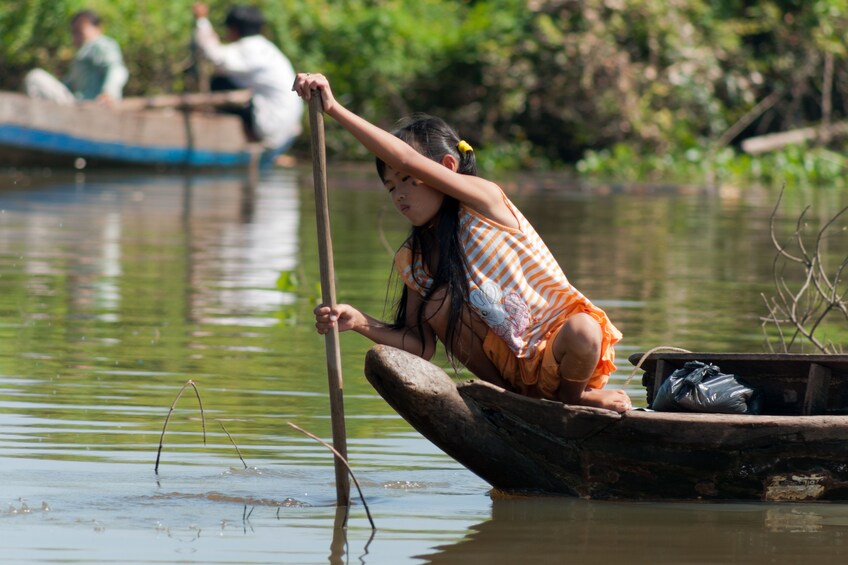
116	289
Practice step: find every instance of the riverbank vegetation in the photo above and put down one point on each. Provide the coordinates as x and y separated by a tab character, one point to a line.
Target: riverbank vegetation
632	90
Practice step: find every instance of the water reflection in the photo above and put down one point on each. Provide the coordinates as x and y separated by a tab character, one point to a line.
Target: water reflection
234	263
116	289
141	282
577	531
233	242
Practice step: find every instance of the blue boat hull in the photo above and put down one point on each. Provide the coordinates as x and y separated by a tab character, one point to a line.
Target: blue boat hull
36	132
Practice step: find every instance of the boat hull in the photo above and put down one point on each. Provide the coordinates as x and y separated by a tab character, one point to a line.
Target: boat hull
524	445
38	132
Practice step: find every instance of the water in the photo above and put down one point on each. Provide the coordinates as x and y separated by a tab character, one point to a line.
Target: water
117	288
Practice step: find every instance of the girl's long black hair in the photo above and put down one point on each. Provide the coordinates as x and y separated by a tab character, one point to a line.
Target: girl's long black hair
437	244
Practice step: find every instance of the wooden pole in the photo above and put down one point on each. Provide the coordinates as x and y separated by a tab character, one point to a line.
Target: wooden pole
328	294
187	101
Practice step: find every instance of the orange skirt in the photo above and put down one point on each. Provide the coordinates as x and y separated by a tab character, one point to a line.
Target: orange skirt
538	376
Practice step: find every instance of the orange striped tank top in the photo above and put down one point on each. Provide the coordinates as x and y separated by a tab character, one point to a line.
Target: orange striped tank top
515	285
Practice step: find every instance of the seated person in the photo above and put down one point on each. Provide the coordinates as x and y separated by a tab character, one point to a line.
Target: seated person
250	61
97	70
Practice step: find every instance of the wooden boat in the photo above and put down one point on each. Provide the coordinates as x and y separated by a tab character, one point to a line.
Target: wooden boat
796	451
164	131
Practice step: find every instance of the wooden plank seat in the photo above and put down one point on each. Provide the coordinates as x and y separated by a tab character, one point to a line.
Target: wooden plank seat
791	383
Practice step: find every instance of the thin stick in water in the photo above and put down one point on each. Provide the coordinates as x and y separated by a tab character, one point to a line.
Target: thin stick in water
232	442
341	459
171	411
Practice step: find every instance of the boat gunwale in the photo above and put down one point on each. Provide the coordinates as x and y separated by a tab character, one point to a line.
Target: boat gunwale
167	137
467	388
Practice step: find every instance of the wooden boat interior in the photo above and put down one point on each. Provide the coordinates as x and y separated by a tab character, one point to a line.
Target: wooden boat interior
791	384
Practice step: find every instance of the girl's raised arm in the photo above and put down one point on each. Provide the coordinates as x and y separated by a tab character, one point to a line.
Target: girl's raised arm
477	193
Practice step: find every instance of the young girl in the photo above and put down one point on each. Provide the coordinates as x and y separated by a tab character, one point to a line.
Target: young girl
477	276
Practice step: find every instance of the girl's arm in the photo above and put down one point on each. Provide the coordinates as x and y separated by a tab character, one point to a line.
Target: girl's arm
347	317
477	193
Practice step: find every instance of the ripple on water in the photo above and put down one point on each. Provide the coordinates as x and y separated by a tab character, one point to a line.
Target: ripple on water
214	496
410	485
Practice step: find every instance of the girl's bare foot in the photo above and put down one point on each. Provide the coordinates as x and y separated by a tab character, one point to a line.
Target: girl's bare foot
603	398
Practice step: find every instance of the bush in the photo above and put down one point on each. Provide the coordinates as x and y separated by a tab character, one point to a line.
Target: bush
642	87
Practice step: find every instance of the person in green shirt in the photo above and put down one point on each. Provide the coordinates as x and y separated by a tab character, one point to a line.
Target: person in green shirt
97	70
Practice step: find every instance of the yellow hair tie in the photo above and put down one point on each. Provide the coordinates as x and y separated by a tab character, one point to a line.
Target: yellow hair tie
464	147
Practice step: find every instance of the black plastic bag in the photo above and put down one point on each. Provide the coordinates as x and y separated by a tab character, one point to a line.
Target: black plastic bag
701	387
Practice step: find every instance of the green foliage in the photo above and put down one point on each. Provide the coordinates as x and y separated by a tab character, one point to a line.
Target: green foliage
530	83
35	31
372	51
154	40
795	165
288	281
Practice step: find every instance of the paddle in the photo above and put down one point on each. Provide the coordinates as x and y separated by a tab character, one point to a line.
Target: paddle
328	293
187	101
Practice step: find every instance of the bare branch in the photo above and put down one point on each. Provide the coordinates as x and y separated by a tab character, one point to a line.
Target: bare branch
799	240
818	245
781	250
803	308
773	319
837	280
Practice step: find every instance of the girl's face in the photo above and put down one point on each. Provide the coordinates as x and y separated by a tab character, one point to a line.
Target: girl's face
414	199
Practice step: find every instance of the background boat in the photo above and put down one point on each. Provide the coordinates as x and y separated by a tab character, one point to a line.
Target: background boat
171	131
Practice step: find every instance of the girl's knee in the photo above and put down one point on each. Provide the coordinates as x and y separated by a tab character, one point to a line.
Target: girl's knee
580	336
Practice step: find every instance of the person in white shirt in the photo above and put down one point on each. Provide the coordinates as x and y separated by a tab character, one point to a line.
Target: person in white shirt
250	61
